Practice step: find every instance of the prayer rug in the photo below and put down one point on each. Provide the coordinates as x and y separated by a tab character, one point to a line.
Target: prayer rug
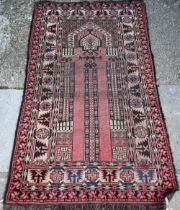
91	130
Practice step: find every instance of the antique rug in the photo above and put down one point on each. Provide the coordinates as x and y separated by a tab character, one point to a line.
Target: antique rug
91	130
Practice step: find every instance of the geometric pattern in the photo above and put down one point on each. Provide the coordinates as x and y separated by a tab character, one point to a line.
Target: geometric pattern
91	128
119	153
64	153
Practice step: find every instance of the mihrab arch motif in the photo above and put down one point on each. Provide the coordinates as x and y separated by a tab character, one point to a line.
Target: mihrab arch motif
91	28
90	42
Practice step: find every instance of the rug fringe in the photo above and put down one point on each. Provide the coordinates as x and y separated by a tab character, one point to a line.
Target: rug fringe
88	207
74	1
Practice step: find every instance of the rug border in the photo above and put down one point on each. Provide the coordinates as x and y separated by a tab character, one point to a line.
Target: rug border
26	89
151	58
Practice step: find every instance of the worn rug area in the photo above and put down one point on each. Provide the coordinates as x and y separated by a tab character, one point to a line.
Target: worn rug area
91	129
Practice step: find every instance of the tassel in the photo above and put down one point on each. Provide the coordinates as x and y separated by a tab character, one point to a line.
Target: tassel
167	204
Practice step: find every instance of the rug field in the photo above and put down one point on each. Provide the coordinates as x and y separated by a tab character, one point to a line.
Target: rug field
91	129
